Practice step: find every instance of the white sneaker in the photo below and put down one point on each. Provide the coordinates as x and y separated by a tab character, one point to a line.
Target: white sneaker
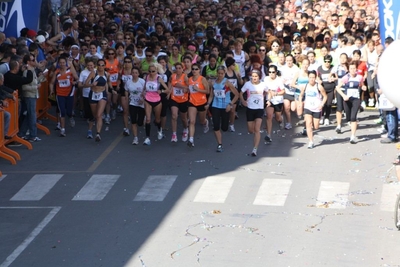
288	126
326	122
205	127
126	132
321	121
147	142
382	130
72	122
363	105
113	114
371	102
135	141
107	120
231	127
310	145
185	135
160	135
174	138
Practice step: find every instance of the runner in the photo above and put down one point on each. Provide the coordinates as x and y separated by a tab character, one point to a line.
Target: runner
328	77
125	74
87	111
289	72
112	67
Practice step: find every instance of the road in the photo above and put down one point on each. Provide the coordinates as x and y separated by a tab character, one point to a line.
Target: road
73	202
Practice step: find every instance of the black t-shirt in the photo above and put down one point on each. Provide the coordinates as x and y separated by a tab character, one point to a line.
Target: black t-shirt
324	76
15	81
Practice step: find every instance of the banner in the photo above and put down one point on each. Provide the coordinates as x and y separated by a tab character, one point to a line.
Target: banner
389	19
18	14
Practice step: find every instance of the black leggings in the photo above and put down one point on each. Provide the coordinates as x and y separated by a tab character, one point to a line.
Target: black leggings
137	115
220	119
164	107
327	109
351	107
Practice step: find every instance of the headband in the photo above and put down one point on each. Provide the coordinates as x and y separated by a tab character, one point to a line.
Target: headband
192	47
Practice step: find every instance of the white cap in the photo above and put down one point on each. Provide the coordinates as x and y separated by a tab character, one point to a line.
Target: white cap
109	2
40	39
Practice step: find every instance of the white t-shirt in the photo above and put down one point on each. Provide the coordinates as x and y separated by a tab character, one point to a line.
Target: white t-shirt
135	90
276	85
82	78
288	75
255	94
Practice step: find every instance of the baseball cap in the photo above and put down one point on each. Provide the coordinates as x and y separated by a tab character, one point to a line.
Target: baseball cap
40	39
109	2
31	33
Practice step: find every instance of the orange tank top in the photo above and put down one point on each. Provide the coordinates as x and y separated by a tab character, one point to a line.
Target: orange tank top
197	98
178	94
64	85
113	70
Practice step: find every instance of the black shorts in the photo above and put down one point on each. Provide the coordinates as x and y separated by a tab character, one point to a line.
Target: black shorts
277	107
110	89
315	115
199	108
182	107
153	104
253	114
87	111
288	97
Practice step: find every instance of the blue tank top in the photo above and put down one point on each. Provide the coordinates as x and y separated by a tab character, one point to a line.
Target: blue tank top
300	80
101	80
222	96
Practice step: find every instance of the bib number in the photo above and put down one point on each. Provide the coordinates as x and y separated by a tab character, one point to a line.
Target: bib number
64	83
219	94
97	96
178	91
114	77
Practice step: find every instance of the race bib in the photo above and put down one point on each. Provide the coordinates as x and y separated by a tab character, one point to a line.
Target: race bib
97	96
191	89
178	91
64	83
219	94
114	77
353	93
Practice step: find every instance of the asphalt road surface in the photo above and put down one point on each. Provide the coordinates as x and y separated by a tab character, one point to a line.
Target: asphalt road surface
73	202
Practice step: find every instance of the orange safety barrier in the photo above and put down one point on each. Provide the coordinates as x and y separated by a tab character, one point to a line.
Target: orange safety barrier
43	105
12	132
3	149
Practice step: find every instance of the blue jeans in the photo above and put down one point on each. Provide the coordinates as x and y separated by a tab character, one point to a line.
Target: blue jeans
29	122
7	118
392	123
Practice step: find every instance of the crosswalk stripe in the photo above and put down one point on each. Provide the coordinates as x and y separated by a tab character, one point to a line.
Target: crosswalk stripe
389	196
97	187
215	189
2	177
37	187
273	192
333	195
155	188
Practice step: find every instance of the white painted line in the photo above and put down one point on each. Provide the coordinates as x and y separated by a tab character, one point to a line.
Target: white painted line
273	192
333	195
389	196
37	187
96	188
11	258
2	177
215	189
155	188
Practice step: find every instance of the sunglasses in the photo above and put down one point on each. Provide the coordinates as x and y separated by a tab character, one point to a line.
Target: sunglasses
100	65
111	54
152	71
327	61
195	69
127	61
272	72
262	50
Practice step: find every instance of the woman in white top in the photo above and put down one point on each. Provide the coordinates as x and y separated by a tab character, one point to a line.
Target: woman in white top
276	91
313	104
289	72
256	90
134	88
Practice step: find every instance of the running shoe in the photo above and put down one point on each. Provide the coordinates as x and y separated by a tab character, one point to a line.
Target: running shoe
231	127
219	148
326	122
62	133
58	127
353	140
160	135
281	125
185	135
371	102
205	127
135	141
107	120
254	152
236	116
190	144
147	142
72	122
126	132
310	145
321	121
288	126
89	134
98	138
174	138
267	139
338	130
363	105
304	132
113	114
35	139
378	121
